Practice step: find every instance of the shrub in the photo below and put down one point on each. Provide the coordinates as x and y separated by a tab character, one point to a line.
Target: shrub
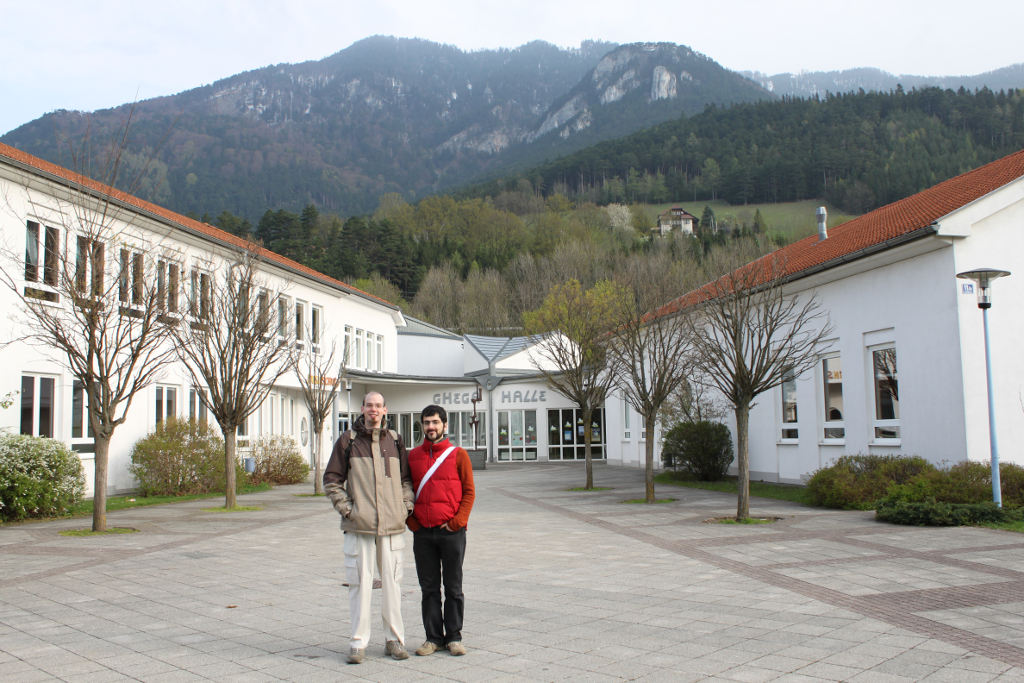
180	457
931	512
38	477
855	482
278	461
703	449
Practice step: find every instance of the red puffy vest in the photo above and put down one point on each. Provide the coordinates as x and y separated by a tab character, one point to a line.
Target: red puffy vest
441	496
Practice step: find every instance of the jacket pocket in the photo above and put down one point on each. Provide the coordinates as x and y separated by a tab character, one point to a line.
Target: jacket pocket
352	560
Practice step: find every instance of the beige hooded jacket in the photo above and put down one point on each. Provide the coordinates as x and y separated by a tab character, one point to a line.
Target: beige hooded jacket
370	485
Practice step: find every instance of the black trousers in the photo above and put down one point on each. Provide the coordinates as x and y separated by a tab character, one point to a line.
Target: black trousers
439	556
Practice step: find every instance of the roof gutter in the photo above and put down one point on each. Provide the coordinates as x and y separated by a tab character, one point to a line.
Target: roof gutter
99	196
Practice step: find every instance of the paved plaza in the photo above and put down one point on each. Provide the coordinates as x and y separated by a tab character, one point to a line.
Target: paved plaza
560	586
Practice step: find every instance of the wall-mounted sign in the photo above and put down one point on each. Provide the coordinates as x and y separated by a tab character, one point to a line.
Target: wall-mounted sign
448	398
967	288
535	396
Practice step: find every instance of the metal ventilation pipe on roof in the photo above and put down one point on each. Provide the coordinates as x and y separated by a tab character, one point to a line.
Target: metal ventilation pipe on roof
822	215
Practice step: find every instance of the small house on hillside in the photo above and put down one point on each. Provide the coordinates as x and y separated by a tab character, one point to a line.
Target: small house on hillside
676	219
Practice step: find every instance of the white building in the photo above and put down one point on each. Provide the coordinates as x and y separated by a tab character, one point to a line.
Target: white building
904	371
35	220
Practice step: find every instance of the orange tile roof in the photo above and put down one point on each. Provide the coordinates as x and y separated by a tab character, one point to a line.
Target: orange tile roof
873	229
176	219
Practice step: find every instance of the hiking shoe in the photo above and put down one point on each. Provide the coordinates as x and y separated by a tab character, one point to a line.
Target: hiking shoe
427	648
355	656
457	648
395	649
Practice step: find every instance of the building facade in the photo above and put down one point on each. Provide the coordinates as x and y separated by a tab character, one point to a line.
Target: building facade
40	231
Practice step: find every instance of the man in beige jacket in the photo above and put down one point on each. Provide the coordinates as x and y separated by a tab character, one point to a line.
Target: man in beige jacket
368	482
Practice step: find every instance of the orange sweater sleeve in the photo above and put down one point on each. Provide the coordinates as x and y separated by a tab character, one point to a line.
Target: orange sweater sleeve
465	469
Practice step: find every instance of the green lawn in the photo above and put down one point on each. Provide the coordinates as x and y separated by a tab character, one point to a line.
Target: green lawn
84	508
794	220
1006	526
757	488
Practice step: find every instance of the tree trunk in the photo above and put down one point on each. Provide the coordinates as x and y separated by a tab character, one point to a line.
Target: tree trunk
742	462
588	436
318	447
229	467
99	489
649	452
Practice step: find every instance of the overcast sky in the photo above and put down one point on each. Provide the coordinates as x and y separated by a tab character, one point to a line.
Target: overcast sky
67	54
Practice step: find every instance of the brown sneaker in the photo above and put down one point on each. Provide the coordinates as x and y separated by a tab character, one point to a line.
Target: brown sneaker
457	648
395	649
355	656
427	648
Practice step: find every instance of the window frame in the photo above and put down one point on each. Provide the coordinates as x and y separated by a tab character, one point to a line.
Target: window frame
299	316
878	424
162	405
782	428
827	424
36	398
316	327
42	280
90	267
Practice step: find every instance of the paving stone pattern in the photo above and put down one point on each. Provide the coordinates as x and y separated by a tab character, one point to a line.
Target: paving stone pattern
560	586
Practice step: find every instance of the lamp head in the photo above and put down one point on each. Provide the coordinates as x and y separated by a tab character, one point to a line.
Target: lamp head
983	277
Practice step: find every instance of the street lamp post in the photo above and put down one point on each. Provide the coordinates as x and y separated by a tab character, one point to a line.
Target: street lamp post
983	277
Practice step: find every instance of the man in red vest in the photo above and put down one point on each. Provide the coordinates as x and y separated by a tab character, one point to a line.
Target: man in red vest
442	479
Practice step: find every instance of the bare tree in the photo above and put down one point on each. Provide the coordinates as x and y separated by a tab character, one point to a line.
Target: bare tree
748	336
573	353
320	374
695	400
238	343
109	329
649	353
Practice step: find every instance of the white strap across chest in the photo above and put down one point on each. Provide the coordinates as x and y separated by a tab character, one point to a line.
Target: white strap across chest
430	472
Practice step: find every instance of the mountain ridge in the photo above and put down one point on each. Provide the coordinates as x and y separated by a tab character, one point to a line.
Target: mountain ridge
383	115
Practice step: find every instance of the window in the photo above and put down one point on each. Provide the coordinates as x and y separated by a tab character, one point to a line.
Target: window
517	435
282	317
38	405
626	430
887	395
31	252
166	403
380	353
196	405
166	285
173	285
460	429
81	426
566	440
89	267
270	413
316	327
47	265
789	419
349	345
369	350
832	375
359	348
200	295
263	322
300	331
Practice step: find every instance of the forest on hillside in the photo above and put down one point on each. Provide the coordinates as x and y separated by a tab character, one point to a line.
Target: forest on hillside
856	150
477	261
